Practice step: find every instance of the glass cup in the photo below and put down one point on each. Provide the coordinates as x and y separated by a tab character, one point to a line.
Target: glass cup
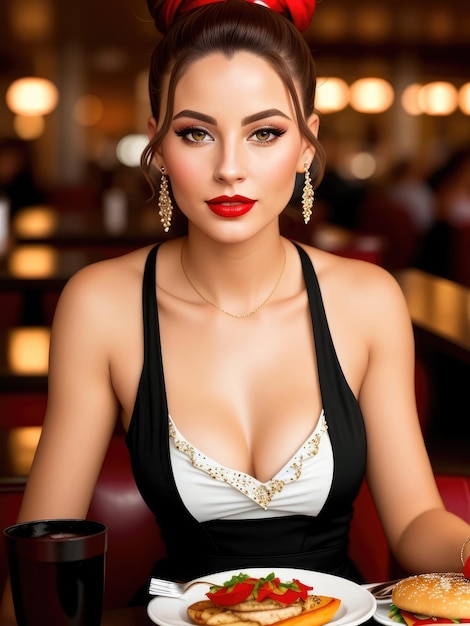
57	571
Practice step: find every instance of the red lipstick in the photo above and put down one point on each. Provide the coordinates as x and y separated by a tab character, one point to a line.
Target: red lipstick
230	206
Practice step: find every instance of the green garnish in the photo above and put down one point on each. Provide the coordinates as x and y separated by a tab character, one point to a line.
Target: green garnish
257	583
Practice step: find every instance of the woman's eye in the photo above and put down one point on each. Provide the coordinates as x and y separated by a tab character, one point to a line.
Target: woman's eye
194	135
266	135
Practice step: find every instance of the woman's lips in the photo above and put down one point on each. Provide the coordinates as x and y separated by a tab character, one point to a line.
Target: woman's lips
235	206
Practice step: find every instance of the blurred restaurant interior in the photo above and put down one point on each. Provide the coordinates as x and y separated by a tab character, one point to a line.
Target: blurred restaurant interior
394	100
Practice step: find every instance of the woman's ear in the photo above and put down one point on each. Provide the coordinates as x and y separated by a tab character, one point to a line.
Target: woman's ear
308	151
151	130
151	127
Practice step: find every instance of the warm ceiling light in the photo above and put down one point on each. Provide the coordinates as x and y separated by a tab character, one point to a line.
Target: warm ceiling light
29	126
88	110
35	221
439	22
372	23
32	261
332	94
28	350
32	96
438	98
464	98
371	95
331	23
363	165
20	446
410	99
32	20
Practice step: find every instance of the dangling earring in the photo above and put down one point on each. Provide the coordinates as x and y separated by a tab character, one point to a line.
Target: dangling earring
308	195
164	202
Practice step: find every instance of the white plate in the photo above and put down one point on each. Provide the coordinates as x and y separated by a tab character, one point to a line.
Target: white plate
357	604
381	615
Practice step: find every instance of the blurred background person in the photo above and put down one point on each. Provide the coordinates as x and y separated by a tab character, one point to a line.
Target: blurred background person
450	184
408	187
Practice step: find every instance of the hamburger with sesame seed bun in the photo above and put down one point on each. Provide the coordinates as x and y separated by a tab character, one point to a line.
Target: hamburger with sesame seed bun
431	599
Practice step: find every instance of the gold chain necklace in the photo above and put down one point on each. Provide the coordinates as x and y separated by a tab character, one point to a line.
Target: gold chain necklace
239	316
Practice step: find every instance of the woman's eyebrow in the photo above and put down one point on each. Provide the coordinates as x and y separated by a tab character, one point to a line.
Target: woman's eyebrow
262	115
196	115
246	120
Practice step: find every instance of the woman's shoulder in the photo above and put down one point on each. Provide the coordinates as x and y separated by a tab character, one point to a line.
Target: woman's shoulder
355	282
122	267
109	283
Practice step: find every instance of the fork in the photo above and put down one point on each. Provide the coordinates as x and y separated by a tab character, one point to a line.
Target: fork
383	591
172	588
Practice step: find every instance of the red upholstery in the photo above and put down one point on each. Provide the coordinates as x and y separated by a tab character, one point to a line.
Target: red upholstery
368	547
134	542
22	409
455	492
10	500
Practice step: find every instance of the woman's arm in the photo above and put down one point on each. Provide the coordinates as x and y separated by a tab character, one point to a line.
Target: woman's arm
81	409
421	533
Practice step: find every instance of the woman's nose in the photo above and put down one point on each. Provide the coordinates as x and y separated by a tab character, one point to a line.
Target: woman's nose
231	163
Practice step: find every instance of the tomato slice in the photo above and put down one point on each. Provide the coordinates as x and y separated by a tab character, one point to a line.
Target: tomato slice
288	597
226	596
466	569
422	620
241	587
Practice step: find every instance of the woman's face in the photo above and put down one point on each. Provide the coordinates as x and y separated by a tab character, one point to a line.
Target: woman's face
234	147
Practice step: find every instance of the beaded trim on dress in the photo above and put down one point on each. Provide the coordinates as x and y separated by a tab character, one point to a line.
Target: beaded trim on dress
260	493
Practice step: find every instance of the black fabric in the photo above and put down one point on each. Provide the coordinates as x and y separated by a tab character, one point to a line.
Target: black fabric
194	549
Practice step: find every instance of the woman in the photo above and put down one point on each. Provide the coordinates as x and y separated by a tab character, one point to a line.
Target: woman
249	419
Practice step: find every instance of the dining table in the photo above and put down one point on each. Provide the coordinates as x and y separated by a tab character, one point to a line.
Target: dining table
134	616
131	616
440	312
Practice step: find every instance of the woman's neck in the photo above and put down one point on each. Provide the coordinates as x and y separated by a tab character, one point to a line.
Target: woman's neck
236	279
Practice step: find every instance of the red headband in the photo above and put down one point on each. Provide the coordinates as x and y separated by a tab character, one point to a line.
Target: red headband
298	11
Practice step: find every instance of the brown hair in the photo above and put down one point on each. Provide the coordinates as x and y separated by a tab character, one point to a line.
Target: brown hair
229	27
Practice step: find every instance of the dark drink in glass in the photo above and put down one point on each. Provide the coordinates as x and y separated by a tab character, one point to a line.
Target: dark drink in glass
57	571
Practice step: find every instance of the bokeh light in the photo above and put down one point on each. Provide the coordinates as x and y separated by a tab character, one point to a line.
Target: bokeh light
438	98
29	127
371	95
410	99
332	94
464	98
88	110
130	148
32	96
